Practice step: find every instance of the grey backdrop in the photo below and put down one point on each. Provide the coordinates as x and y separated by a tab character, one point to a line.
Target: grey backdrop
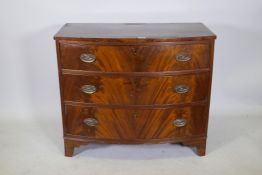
29	82
30	118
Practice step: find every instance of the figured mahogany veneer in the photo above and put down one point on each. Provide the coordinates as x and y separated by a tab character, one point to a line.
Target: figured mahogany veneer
135	83
136	90
153	58
134	124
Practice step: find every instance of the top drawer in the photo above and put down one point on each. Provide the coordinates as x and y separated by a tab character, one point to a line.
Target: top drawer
146	58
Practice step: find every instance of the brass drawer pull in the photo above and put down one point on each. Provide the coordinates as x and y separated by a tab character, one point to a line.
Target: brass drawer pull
88	89
179	122
90	121
87	58
183	57
181	89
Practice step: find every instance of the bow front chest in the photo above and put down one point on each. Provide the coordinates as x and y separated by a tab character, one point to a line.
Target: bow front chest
135	83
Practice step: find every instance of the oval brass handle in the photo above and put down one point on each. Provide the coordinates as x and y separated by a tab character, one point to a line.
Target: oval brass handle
183	57
179	122
88	89
181	89
88	58
90	121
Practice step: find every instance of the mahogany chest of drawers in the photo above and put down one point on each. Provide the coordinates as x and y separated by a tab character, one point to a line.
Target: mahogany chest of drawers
135	83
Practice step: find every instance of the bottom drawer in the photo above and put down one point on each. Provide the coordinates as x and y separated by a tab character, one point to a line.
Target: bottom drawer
128	124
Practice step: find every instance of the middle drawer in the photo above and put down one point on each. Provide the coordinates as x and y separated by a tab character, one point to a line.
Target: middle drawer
136	90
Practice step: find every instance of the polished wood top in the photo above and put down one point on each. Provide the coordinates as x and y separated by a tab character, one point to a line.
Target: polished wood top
142	31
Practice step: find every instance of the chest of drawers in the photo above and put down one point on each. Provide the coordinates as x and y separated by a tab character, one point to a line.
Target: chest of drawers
135	83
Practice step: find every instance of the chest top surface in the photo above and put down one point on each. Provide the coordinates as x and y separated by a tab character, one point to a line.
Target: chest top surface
157	31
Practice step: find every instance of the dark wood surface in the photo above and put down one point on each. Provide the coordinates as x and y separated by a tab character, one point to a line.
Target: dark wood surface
83	31
135	73
136	90
131	124
150	58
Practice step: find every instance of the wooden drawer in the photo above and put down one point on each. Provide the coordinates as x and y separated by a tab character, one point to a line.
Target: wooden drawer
136	90
152	58
128	124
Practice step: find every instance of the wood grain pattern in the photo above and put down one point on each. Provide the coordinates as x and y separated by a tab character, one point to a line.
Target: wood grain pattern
151	58
135	73
130	124
200	145
134	32
72	142
134	90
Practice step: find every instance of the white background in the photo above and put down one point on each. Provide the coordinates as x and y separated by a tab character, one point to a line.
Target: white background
29	82
29	89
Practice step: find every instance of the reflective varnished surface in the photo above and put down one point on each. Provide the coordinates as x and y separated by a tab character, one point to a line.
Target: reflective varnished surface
150	58
136	90
139	124
135	83
124	31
